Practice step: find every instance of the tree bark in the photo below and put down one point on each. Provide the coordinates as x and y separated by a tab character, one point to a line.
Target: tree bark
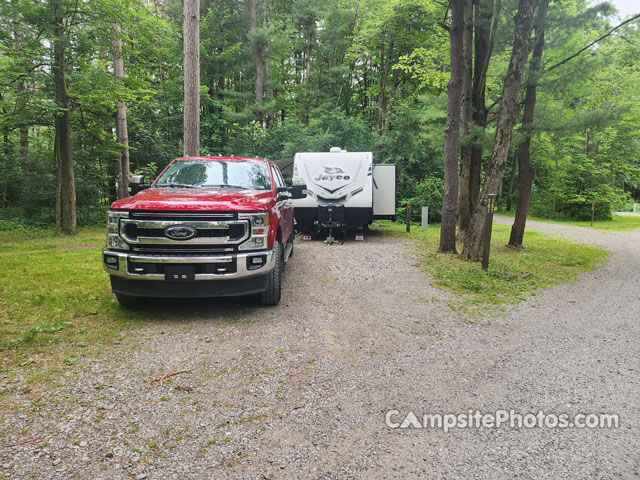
521	45
63	124
395	80
191	78
307	70
511	182
487	14
555	188
58	164
385	62
464	200
256	48
112	173
527	173
343	54
122	133
160	67
452	130
7	167
20	100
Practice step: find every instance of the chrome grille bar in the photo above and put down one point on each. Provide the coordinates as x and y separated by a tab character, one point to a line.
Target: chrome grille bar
197	240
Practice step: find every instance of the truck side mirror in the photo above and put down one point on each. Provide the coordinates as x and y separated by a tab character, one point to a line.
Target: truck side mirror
136	184
298	191
283	193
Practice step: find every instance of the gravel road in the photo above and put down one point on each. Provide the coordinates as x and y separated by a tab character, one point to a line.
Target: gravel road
300	391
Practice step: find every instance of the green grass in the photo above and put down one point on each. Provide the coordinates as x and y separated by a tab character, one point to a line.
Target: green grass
619	223
513	275
55	300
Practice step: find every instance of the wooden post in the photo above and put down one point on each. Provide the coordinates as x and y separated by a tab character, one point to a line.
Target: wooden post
408	218
593	213
488	225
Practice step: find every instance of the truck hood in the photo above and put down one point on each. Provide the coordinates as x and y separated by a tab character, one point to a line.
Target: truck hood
194	199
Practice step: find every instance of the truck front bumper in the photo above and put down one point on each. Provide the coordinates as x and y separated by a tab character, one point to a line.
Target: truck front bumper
189	276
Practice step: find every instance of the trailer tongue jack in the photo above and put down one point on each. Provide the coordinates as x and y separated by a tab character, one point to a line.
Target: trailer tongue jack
331	216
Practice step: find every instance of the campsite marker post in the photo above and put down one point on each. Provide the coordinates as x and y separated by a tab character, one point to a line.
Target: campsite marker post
488	224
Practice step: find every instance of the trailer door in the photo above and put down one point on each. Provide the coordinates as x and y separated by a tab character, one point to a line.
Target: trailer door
384	190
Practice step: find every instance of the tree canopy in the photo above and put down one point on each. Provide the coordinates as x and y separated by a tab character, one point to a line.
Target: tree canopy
306	75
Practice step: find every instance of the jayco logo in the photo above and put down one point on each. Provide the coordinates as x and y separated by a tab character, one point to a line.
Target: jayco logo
332	173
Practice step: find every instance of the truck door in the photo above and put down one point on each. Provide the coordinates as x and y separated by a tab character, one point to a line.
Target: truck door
286	206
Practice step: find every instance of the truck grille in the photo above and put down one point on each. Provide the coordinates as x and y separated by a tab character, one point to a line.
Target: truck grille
216	232
139	268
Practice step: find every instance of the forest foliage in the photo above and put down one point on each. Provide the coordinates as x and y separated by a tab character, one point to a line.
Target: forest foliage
365	75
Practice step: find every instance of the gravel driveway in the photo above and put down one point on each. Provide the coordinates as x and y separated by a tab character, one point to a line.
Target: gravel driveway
300	390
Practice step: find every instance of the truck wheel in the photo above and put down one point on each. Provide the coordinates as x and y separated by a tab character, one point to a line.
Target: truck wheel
271	296
126	300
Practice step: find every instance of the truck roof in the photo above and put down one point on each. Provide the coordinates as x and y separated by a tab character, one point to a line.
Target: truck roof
203	158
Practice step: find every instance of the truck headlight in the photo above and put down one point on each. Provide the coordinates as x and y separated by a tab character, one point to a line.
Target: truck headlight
113	228
259	227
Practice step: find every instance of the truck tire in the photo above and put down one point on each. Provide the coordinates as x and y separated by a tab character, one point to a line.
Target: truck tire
126	301
271	296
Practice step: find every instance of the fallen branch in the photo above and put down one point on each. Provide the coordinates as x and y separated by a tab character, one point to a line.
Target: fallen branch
167	375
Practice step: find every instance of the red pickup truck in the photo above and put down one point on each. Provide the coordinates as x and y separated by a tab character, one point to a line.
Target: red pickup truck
206	227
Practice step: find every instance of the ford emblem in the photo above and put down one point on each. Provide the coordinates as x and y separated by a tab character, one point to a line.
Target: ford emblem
180	232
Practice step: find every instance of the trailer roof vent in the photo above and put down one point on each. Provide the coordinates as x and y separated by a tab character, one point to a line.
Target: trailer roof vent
335	150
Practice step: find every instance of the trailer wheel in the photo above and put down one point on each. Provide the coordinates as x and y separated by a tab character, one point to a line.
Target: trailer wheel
271	296
126	301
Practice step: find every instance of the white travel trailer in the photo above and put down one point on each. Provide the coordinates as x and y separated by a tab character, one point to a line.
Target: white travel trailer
345	190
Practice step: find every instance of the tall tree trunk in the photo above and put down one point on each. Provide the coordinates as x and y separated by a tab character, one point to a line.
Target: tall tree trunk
160	66
191	78
395	80
464	200
343	54
122	132
20	100
487	14
555	188
511	182
385	62
63	124
58	164
527	173
508	110
307	70
256	48
111	173
7	167
452	130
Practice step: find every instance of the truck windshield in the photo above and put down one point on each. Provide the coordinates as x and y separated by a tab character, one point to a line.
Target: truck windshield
215	174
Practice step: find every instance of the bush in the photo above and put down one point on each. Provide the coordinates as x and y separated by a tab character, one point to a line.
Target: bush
427	193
